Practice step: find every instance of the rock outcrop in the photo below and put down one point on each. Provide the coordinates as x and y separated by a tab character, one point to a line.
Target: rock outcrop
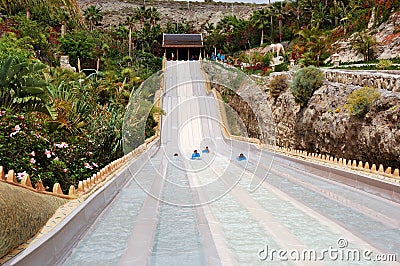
387	36
325	126
64	63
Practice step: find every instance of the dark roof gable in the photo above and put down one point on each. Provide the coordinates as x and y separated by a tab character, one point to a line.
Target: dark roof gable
182	40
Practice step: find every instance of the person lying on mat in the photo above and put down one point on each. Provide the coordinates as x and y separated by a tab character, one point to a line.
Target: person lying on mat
195	155
241	157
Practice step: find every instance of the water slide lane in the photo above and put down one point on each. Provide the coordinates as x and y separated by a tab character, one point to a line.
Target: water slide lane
371	218
105	242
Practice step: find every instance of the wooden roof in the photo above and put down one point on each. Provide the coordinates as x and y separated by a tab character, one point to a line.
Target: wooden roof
182	41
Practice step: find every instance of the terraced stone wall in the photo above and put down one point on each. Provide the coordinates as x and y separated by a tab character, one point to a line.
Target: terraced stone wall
381	80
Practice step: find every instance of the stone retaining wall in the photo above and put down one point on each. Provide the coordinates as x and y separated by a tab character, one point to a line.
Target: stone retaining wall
385	81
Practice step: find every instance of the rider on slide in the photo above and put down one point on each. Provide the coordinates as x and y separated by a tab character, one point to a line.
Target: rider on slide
241	157
206	150
195	155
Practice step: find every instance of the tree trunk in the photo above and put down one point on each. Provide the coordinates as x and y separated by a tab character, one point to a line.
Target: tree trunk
280	28
272	26
262	36
130	42
335	8
272	30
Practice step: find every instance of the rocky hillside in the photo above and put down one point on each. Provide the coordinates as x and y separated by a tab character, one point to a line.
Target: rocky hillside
387	36
115	12
325	126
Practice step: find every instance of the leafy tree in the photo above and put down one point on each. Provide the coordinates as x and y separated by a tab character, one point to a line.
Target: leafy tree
49	12
231	34
18	48
79	44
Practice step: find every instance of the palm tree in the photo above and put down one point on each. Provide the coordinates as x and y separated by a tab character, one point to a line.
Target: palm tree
152	15
271	13
280	12
93	15
364	44
130	21
140	14
120	33
315	42
260	20
319	16
208	28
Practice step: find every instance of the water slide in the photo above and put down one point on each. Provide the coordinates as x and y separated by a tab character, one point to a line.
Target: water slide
217	210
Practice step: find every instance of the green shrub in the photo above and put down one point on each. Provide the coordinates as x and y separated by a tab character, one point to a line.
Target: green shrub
384	64
305	82
10	45
79	44
266	61
277	85
360	101
282	67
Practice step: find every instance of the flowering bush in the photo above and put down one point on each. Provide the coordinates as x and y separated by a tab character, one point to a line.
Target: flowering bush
258	69
28	146
360	101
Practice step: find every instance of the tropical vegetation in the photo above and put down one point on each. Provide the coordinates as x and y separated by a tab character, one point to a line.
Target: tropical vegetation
309	27
63	126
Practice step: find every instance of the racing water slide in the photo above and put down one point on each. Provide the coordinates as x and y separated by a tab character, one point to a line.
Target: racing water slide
166	208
